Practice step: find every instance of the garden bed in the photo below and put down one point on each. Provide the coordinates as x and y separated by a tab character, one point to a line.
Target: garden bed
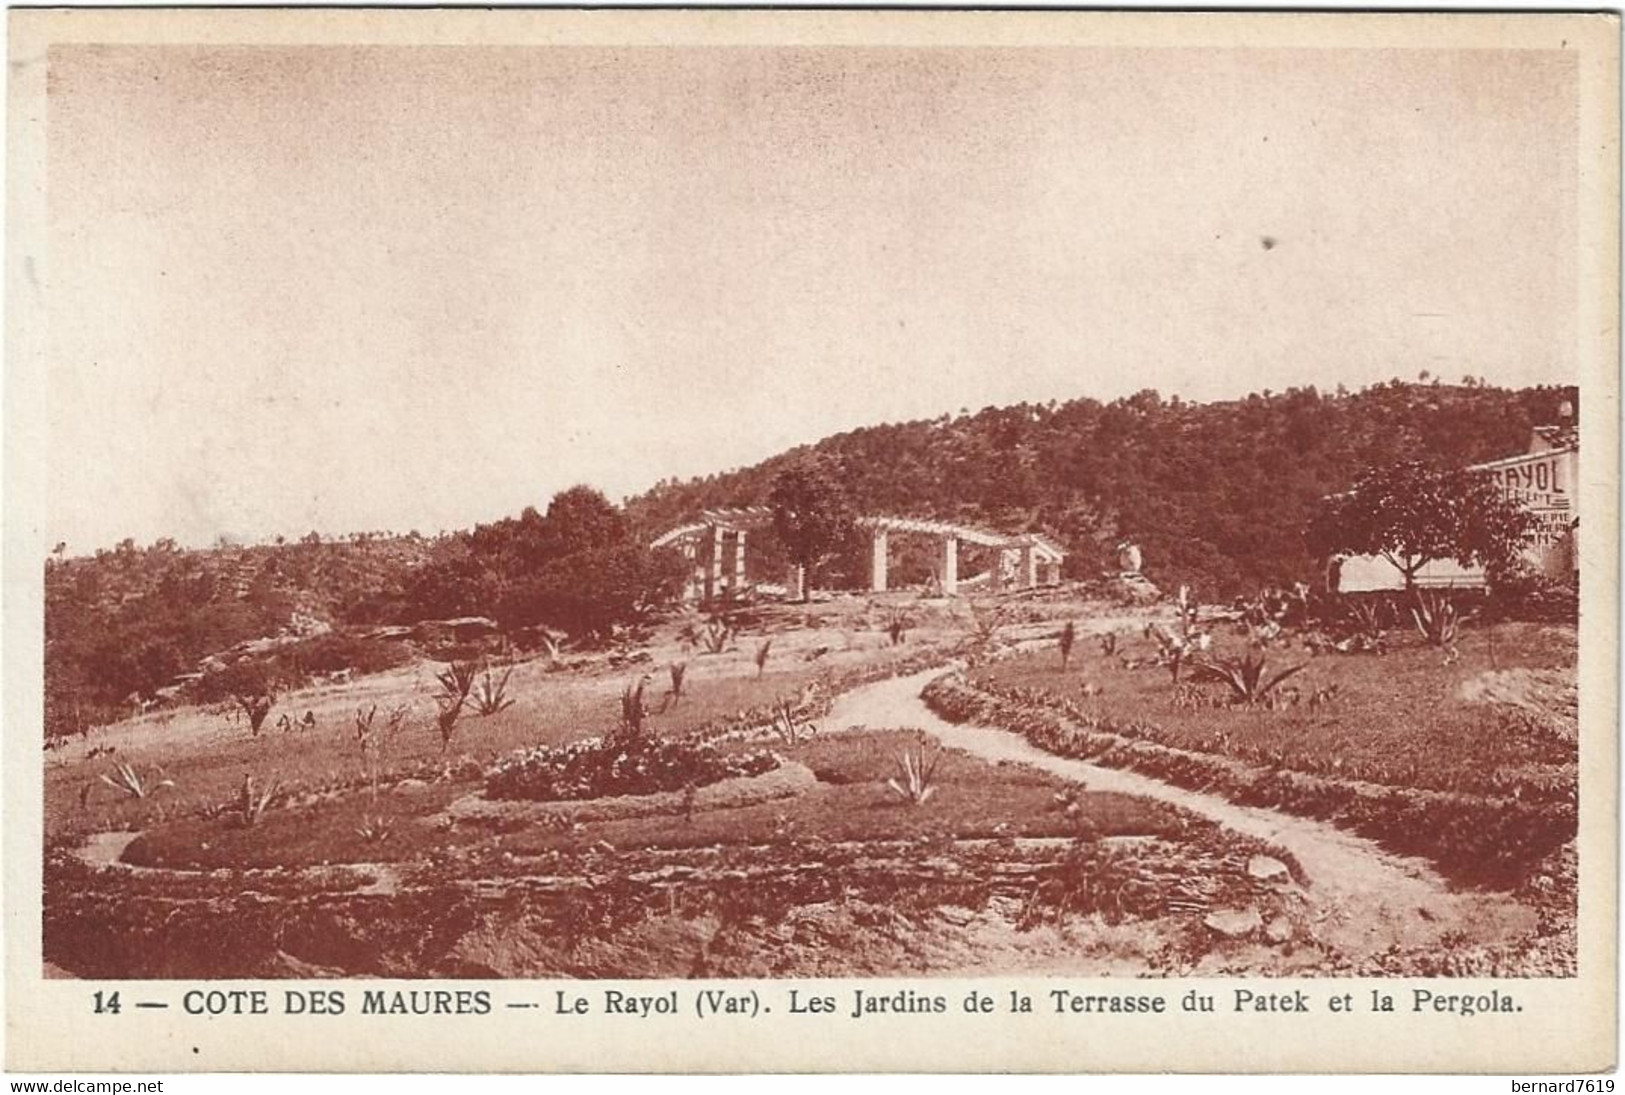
1475	838
785	779
1413	718
781	909
605	768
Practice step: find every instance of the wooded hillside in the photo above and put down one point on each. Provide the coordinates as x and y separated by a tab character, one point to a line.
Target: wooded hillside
1217	494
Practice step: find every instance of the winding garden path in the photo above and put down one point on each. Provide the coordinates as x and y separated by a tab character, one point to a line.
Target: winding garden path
1361	899
1365	899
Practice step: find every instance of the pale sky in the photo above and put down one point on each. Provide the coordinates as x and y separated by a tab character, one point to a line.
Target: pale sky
411	287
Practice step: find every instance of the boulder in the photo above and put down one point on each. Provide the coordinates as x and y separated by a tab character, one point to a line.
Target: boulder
1130	589
1268	869
1234	923
1278	931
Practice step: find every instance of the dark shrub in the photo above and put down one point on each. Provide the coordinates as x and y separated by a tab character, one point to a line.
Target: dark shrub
1527	595
334	651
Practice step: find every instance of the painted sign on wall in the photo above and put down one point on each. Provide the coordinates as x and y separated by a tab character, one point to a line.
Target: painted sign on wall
1539	481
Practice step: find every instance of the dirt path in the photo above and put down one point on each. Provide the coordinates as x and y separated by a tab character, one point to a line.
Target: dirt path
1364	900
105	851
102	850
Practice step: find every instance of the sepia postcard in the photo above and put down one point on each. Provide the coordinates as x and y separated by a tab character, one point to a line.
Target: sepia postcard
754	541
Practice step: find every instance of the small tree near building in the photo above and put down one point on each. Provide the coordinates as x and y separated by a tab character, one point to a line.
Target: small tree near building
811	516
1411	515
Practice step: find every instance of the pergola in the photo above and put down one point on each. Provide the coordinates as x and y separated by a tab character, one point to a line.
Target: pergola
715	545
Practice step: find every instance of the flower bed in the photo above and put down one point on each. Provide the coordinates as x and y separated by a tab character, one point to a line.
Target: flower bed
595	769
1476	838
788	780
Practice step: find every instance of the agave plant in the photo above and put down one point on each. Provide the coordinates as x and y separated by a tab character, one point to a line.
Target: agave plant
633	729
1438	619
1366	618
1189	610
368	737
1364	627
915	771
457	680
1068	636
1173	650
712	638
132	783
632	709
984	624
363	728
374	829
251	804
790	729
489	697
449	708
1246	677
256	706
678	671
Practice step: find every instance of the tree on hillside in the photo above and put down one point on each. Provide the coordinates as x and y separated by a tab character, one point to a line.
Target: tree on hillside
578	519
1411	514
455	581
577	569
590	593
513	542
1218	494
250	686
582	519
811	516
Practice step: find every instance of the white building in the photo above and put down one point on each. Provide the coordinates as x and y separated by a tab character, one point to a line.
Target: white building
1545	480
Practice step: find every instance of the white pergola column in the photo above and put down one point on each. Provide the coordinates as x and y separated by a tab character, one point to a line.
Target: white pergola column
880	548
713	564
795	582
694	590
950	566
737	586
1029	567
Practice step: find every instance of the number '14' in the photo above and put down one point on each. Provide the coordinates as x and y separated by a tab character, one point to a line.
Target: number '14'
107	1003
